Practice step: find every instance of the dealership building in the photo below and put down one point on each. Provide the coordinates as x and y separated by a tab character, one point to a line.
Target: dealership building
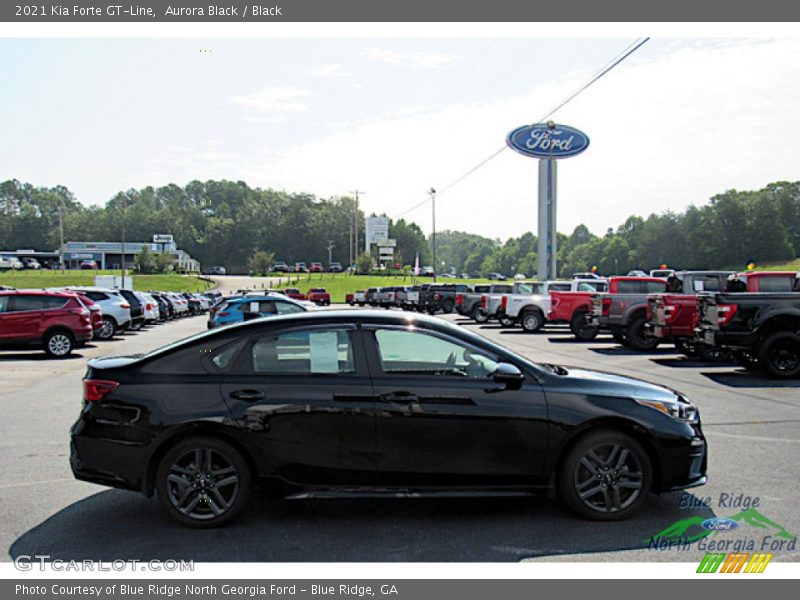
108	255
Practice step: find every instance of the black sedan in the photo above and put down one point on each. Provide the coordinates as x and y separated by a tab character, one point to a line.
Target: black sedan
380	402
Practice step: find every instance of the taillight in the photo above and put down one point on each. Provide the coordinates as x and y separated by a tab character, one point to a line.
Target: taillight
124	305
670	312
504	302
483	301
149	307
459	299
606	307
725	313
94	390
437	297
223	314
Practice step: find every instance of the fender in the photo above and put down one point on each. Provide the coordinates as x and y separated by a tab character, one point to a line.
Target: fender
774	314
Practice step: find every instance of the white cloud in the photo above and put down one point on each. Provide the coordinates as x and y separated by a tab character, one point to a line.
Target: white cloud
417	60
272	104
331	71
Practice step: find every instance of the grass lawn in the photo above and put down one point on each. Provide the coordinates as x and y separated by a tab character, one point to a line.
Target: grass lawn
786	266
46	278
339	284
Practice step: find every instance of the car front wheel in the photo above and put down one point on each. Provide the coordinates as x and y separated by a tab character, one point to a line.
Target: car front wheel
607	476
202	482
58	344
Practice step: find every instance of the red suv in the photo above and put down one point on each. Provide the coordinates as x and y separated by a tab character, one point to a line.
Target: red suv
54	321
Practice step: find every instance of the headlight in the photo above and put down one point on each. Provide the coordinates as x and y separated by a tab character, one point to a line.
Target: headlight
678	408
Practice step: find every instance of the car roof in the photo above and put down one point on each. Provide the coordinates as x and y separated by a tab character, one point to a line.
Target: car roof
32	292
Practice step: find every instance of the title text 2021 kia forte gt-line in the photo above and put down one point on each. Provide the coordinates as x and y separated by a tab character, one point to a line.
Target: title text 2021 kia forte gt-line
375	401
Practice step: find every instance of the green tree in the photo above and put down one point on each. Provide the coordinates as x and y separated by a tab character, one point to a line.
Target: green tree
145	261
364	262
261	261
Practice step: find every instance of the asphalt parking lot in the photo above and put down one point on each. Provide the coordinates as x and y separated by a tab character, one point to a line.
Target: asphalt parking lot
752	424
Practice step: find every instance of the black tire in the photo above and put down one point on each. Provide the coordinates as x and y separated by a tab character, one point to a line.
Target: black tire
779	355
712	354
581	328
637	336
746	359
532	320
202	482
478	315
448	306
59	343
109	329
136	326
616	482
619	337
506	321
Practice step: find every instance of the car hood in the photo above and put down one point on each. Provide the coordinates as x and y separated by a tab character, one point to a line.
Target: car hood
610	384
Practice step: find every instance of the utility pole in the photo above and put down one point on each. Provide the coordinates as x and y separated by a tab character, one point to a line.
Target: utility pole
122	254
356	192
331	245
350	245
432	192
61	233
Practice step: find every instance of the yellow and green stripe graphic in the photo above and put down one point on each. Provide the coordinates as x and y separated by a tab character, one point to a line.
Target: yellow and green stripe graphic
735	562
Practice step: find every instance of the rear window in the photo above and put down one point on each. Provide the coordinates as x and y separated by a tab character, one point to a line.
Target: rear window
560	287
502	289
530	288
33	302
629	287
776	284
655	287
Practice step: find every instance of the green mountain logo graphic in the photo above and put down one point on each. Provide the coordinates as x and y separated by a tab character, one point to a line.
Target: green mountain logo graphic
691	529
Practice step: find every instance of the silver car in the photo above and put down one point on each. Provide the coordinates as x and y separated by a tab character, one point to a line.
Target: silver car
116	310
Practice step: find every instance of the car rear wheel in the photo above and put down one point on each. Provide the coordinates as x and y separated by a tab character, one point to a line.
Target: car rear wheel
638	337
202	482
532	321
581	327
606	476
779	355
108	329
448	306
58	344
136	325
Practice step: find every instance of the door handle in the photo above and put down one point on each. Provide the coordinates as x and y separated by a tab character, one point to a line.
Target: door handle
248	395
400	397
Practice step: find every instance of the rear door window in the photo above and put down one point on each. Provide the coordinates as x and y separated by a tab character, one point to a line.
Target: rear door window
26	302
655	287
629	287
776	284
310	352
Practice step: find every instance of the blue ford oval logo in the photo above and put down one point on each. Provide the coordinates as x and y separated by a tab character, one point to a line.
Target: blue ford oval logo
719	524
542	141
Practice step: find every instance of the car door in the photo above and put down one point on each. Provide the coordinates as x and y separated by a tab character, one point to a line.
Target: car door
305	395
21	317
442	419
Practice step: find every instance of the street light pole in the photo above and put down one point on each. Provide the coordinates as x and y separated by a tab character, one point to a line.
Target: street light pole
122	254
61	235
356	192
432	192
330	251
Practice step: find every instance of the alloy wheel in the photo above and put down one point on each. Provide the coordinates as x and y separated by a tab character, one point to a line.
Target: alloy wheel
202	484
608	478
59	344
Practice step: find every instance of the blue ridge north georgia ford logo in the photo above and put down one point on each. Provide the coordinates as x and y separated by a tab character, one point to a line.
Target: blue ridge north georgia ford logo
544	140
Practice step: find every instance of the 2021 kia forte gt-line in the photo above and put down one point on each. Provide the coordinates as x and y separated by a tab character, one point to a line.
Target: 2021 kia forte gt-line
374	401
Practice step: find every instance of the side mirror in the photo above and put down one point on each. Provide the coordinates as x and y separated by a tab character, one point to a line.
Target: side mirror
508	375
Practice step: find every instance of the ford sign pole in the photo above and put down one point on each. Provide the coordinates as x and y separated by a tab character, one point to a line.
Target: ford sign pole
547	142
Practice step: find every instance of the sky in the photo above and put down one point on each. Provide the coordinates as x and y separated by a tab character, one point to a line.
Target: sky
679	121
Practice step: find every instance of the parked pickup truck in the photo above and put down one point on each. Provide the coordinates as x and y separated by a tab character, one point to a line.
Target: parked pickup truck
409	300
358	297
531	309
468	302
575	308
319	296
440	297
762	328
623	310
492	303
386	296
674	315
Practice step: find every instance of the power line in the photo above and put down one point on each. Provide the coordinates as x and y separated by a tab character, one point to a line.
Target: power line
618	58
